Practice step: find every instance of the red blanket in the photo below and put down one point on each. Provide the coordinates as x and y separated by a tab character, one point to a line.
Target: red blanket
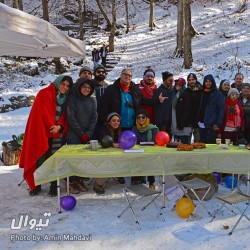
37	132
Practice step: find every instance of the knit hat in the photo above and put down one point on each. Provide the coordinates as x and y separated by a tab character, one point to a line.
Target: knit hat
142	111
181	81
99	66
246	85
166	75
85	68
110	115
224	81
192	75
149	70
233	90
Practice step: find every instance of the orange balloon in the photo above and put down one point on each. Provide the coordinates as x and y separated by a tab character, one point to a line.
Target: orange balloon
184	207
162	138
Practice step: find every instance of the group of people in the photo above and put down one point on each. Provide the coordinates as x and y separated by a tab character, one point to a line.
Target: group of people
91	109
100	54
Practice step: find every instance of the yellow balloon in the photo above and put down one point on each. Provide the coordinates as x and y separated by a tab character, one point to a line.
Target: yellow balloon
184	207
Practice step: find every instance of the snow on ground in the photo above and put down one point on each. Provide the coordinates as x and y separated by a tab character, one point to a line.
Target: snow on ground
97	215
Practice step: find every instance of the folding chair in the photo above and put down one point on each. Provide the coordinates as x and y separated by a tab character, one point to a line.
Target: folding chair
141	191
233	199
193	185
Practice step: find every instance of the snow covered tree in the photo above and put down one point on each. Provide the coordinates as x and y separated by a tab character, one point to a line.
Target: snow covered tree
188	58
80	18
45	10
113	28
104	15
151	15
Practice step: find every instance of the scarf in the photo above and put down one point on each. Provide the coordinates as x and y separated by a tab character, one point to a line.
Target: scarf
232	109
149	88
124	87
146	127
60	98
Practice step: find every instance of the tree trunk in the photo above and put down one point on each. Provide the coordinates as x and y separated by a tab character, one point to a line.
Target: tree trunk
113	28
20	4
104	15
15	4
180	29
59	67
1	1
188	59
80	18
127	20
193	31
151	15
45	10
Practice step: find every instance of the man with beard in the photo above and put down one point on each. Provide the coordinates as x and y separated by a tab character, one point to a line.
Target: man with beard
100	88
148	87
194	91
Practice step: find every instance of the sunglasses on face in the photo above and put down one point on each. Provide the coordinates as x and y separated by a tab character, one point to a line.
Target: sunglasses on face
141	117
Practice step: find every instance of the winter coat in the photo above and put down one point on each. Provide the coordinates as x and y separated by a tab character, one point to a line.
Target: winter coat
163	111
246	109
242	120
81	113
105	49
192	97
214	108
142	136
105	130
99	93
184	109
112	99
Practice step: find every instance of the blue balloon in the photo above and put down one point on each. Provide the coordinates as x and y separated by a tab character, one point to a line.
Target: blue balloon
68	202
127	139
228	181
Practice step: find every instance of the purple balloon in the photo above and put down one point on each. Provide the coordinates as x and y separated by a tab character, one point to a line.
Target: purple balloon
127	139
217	177
68	202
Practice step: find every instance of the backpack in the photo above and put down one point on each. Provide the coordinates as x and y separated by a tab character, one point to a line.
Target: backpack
12	150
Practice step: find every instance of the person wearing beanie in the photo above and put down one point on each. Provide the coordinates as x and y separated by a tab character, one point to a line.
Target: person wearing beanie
211	111
233	91
245	102
100	88
148	87
45	130
85	72
238	81
145	132
233	123
163	110
181	126
193	92
81	117
224	87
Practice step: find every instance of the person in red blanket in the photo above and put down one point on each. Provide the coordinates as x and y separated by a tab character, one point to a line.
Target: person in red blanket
45	130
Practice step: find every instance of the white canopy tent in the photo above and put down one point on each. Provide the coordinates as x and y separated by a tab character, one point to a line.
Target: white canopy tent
22	34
